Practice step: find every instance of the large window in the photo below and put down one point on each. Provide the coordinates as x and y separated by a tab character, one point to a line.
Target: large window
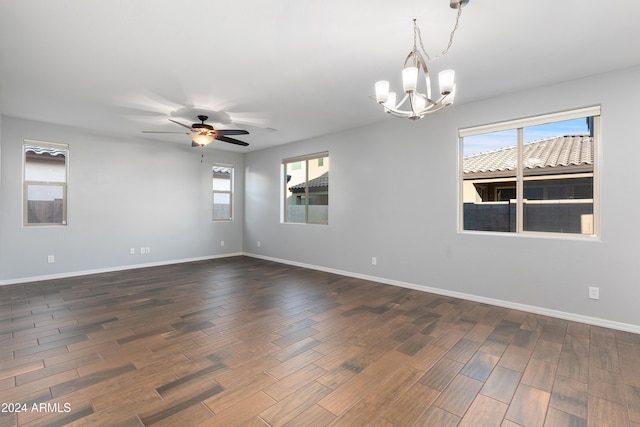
45	183
535	175
222	193
306	189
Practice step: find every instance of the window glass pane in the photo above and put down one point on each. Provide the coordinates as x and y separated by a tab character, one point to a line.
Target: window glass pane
221	206
295	203
489	181
319	190
223	184
45	166
45	204
222	178
558	177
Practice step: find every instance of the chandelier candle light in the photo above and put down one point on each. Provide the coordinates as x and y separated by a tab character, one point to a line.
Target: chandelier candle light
420	104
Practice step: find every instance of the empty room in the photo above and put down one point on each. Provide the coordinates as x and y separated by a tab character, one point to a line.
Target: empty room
319	213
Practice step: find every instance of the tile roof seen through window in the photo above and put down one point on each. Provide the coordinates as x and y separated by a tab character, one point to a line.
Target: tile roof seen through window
560	151
221	169
320	182
44	150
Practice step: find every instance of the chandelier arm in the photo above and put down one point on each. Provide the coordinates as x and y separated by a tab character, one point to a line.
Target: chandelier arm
429	107
412	107
408	114
427	112
402	101
437	101
430	102
397	113
433	109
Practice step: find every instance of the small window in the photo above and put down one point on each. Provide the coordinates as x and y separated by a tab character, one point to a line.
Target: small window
222	193
533	175
45	183
306	189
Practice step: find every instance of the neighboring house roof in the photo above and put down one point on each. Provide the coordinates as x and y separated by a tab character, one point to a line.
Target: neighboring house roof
555	152
44	150
315	184
221	171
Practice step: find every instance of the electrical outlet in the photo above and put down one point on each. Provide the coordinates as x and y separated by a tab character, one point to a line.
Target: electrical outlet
51	259
143	251
594	293
221	242
374	261
132	251
258	243
148	250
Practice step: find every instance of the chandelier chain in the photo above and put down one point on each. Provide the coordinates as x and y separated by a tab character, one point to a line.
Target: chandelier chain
418	36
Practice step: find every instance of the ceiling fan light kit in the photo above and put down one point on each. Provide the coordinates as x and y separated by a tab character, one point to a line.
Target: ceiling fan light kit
202	139
419	103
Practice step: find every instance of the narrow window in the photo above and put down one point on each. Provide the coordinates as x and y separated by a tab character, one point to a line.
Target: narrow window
222	192
45	183
534	175
306	189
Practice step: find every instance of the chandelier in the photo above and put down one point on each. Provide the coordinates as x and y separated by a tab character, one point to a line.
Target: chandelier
418	103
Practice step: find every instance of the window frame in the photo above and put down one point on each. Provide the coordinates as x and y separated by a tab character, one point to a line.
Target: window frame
306	159
27	183
519	125
230	192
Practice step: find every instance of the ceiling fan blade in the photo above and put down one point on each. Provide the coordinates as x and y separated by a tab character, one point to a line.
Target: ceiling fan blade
153	131
181	124
231	140
232	132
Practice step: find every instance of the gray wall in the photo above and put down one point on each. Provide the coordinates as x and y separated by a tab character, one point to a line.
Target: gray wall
122	194
413	165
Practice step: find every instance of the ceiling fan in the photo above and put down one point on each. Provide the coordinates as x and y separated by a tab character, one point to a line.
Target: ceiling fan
203	134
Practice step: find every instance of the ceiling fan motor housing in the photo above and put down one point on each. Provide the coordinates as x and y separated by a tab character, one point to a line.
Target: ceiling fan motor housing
201	126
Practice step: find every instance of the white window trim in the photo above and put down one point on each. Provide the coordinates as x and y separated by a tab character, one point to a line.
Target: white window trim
25	183
306	158
530	121
230	193
519	124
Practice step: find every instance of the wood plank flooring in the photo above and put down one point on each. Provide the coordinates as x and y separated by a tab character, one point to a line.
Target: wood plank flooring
247	342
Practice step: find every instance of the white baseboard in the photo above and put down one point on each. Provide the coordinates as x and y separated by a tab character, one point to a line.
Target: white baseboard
492	301
112	269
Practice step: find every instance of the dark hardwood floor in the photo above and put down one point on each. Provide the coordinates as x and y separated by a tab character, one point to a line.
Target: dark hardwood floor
242	341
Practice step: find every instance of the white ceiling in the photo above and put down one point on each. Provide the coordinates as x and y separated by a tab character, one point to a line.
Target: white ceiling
303	68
